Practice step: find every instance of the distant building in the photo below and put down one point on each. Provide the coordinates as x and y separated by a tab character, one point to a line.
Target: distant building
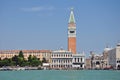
97	61
105	57
88	64
8	53
61	59
78	61
114	57
38	53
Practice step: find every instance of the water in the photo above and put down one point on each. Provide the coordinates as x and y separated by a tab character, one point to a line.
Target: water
60	75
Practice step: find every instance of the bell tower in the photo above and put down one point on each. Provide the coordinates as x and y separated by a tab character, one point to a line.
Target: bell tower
72	33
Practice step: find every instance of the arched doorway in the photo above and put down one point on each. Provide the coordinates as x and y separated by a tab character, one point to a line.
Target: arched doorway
97	64
118	67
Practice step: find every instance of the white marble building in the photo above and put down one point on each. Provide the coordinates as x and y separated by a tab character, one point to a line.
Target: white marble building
78	61
114	57
62	59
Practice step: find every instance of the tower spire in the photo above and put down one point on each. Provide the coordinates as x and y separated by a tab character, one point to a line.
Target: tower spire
71	19
72	33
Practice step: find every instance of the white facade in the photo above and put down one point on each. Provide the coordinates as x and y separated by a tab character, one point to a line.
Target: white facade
97	61
61	59
105	57
78	61
114	57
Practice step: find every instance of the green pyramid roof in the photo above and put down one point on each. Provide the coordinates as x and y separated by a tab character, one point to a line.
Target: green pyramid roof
71	19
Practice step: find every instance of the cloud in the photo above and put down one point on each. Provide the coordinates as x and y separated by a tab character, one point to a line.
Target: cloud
38	8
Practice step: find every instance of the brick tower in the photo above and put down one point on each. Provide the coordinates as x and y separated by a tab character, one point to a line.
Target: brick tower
72	33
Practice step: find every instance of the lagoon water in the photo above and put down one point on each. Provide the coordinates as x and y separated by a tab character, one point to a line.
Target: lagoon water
60	75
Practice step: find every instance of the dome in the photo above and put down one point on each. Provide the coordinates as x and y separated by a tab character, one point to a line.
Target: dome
107	49
118	44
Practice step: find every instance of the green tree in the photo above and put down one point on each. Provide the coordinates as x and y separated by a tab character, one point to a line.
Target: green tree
30	58
21	60
33	61
12	63
15	60
18	60
5	62
21	54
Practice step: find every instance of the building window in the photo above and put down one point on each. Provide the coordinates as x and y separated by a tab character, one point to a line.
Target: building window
81	59
75	59
118	61
68	55
78	59
54	55
61	55
64	61
81	66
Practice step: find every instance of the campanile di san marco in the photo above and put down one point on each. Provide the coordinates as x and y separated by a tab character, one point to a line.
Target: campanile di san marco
72	33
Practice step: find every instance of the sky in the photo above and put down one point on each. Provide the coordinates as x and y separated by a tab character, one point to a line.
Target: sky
42	24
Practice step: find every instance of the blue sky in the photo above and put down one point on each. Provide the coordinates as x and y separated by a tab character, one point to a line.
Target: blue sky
42	24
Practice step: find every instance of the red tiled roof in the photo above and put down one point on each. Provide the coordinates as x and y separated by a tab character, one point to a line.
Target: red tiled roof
25	51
